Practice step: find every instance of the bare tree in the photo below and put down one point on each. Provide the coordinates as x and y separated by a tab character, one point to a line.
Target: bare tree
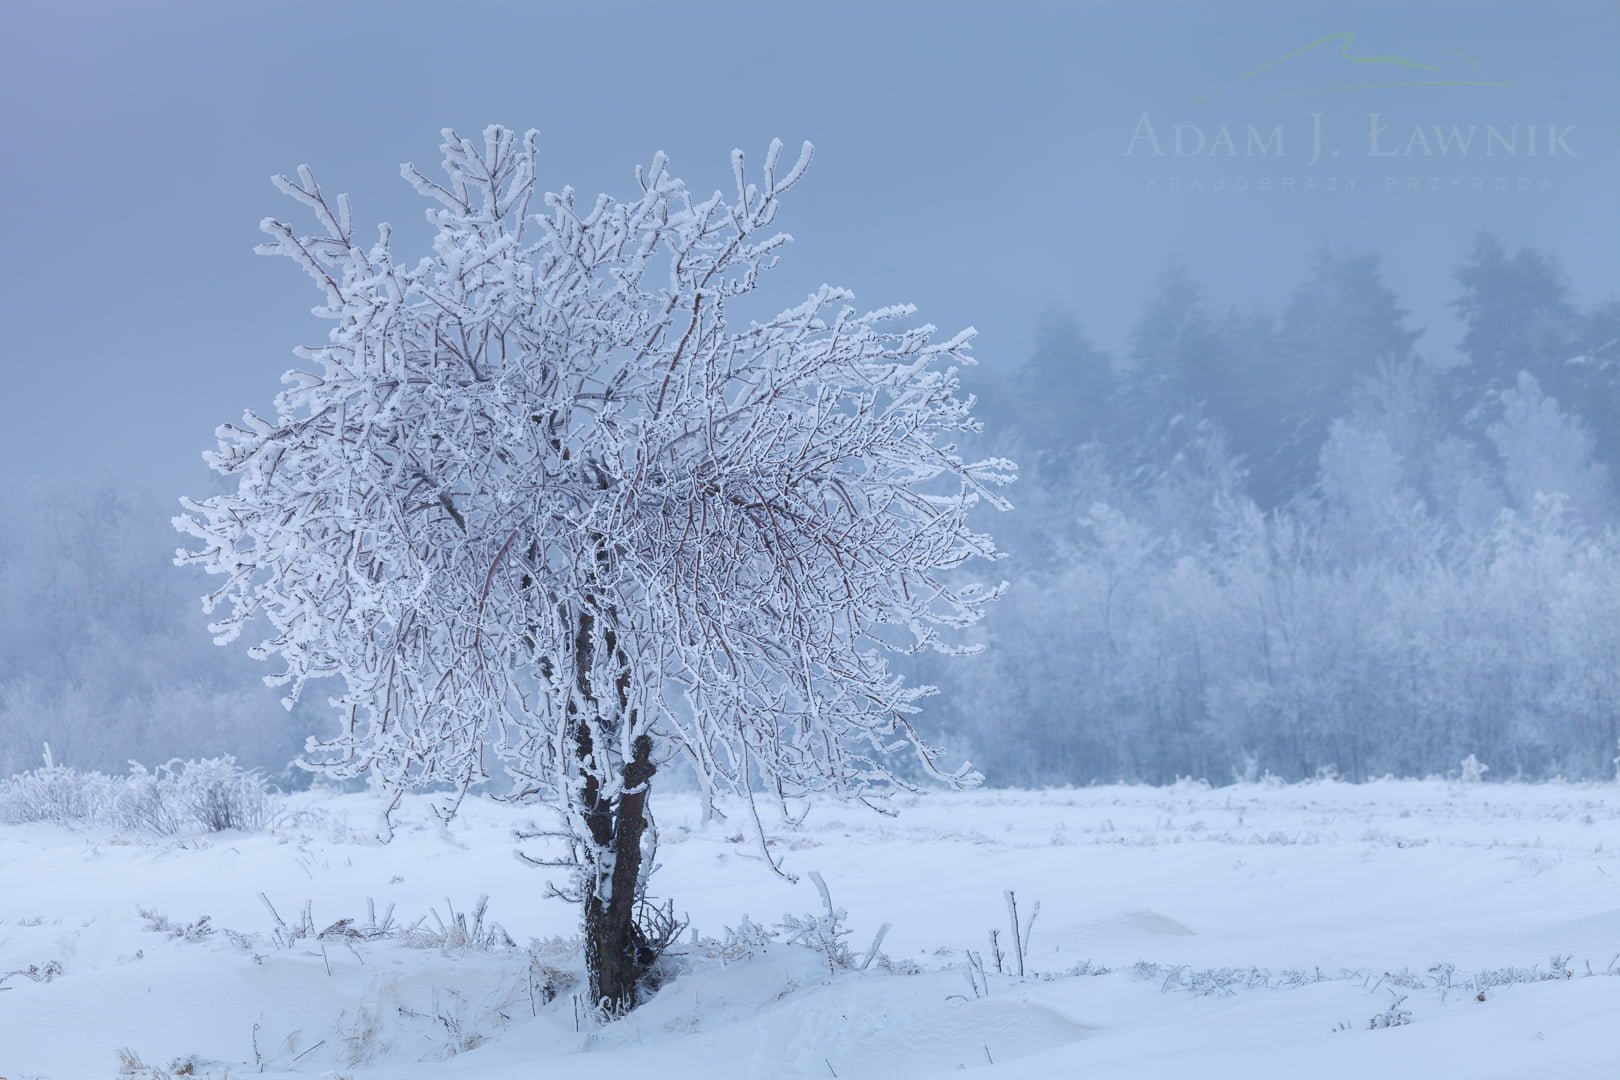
537	496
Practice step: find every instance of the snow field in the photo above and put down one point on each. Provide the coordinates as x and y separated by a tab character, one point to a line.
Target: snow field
1251	931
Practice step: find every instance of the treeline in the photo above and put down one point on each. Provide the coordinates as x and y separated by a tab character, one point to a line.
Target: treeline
1294	540
104	652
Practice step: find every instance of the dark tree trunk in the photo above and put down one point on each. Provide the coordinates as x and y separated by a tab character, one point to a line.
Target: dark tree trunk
617	953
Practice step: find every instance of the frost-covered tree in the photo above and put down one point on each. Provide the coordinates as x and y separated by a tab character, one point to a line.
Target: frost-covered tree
1545	451
542	497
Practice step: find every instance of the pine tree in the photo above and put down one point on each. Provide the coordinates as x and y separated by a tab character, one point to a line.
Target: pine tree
1338	327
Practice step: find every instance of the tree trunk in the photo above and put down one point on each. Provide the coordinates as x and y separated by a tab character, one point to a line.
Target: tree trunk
617	953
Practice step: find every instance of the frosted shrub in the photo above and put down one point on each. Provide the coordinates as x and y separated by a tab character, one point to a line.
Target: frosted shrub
211	793
214	793
217	794
824	932
1473	770
56	794
747	940
141	804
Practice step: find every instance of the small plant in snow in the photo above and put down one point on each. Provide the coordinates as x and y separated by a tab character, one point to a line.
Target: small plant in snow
1394	1016
459	1023
361	1037
131	1065
1204	982
824	932
978	980
461	930
1473	770
1406	979
1018	938
1020	932
162	924
458	932
50	971
546	981
743	942
897	967
1559	967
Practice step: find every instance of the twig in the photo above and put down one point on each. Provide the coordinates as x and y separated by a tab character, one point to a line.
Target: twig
876	942
1012	917
317	1046
274	914
1020	933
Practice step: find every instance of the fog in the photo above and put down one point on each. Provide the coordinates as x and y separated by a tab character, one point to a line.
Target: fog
1301	325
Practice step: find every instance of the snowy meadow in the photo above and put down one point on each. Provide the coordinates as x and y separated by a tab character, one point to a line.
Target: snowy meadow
1407	928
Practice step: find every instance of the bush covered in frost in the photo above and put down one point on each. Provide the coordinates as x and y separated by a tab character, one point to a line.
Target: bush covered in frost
58	794
211	794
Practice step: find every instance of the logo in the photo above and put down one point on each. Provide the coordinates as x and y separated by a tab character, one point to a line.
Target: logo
1352	72
1398	140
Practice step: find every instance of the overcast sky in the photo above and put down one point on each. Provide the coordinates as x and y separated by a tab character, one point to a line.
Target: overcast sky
985	161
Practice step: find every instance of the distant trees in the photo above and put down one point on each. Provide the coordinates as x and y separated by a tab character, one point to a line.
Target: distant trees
1545	451
1147	656
1517	315
1177	378
1063	388
1337	328
100	653
1272	383
1299	543
1520	315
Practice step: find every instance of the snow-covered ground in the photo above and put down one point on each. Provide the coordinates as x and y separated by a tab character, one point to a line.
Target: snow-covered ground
1321	930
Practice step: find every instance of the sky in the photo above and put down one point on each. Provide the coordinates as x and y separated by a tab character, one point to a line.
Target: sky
988	162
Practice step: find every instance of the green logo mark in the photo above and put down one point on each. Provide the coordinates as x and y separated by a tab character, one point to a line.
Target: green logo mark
1423	75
